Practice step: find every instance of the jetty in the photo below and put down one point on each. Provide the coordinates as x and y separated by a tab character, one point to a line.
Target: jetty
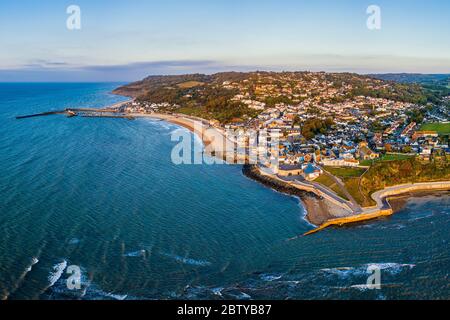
41	114
83	112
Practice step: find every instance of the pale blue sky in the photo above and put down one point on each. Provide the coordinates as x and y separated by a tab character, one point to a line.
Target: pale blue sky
124	40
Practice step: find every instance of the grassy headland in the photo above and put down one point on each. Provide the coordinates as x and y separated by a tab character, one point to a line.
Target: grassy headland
384	174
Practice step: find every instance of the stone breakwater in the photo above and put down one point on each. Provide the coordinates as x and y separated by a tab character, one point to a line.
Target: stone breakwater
352	219
253	173
318	209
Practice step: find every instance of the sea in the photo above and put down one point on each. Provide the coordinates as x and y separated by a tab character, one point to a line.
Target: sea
95	209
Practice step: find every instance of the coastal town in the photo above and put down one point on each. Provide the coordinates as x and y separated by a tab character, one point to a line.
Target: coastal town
341	136
317	122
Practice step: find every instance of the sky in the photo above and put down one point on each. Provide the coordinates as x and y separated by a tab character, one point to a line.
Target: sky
126	40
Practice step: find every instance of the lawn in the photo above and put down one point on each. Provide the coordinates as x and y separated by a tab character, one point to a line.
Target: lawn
385	158
352	186
395	157
351	178
441	128
330	183
343	172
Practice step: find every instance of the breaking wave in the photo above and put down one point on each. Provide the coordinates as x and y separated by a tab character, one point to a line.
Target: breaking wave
271	277
33	262
134	254
188	261
391	268
57	272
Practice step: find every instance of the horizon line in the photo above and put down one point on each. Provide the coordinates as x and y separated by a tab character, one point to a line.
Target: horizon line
218	72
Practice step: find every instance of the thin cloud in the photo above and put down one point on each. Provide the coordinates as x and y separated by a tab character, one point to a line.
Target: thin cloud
45	70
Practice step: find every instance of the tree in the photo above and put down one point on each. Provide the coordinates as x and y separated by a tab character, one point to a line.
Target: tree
312	127
407	149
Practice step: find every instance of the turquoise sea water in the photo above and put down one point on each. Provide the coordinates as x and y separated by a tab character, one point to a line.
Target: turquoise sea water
103	194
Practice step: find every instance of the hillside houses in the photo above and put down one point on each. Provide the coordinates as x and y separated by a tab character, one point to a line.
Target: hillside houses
278	107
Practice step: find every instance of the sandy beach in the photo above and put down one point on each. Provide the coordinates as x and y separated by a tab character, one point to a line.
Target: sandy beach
214	140
320	210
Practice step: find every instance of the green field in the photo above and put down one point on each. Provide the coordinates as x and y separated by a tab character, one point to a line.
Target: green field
345	172
330	183
351	178
441	128
353	187
386	157
395	157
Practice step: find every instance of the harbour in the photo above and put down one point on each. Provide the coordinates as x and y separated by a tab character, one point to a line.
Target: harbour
89	193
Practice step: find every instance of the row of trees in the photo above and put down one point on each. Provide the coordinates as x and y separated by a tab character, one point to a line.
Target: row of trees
224	111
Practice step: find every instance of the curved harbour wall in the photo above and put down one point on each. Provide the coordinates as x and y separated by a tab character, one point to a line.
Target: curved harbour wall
383	208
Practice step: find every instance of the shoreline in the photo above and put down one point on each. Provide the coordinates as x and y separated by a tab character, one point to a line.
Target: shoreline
399	202
384	207
214	140
318	210
324	214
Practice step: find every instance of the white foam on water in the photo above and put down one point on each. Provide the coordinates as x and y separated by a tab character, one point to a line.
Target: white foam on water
167	125
134	254
33	262
271	277
179	130
93	292
346	272
391	267
243	296
304	215
217	291
57	272
361	287
188	261
116	296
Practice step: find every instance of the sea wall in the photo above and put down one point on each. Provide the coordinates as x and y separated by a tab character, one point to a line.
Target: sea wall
319	194
407	188
383	208
352	219
252	172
